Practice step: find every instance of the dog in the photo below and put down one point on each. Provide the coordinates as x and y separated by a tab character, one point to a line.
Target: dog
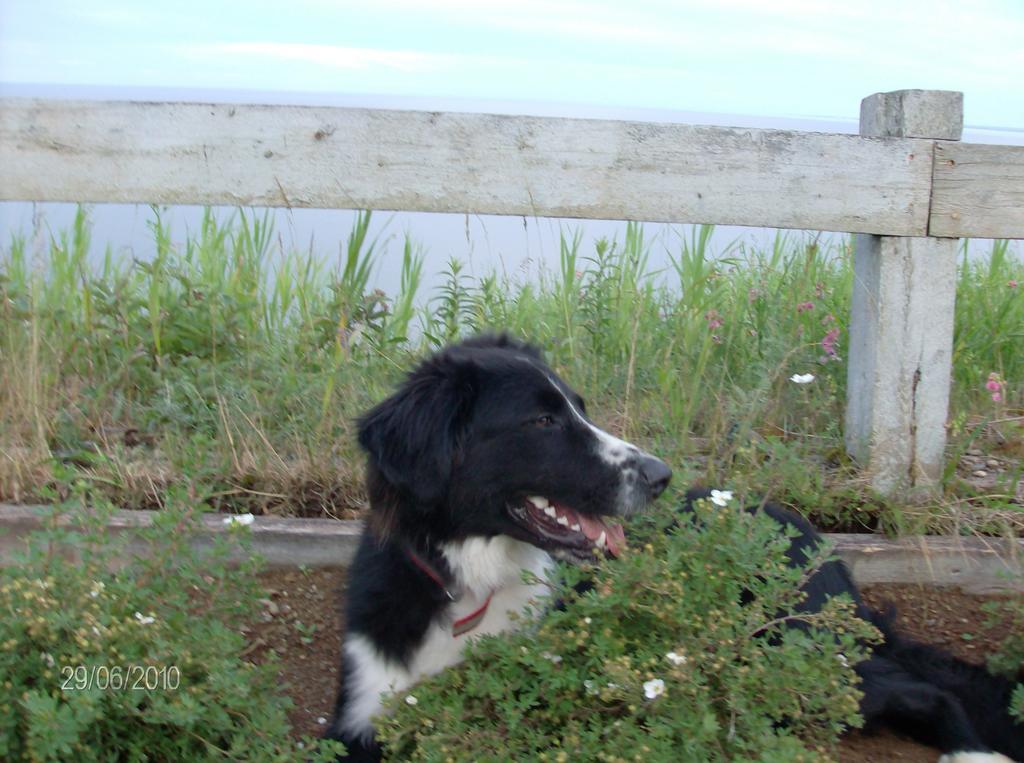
484	465
481	466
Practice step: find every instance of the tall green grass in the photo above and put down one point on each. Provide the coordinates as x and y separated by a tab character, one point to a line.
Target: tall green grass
230	359
990	318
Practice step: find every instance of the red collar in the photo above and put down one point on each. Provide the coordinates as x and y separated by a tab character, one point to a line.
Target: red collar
463	624
473	619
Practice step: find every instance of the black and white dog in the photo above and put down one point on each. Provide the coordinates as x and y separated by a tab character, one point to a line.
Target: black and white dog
483	465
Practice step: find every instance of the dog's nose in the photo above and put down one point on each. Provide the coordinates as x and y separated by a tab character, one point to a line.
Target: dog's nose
656	474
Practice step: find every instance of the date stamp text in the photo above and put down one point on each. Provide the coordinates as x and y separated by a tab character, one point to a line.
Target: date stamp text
120	677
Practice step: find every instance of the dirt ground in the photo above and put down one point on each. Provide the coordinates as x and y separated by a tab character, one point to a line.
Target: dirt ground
301	624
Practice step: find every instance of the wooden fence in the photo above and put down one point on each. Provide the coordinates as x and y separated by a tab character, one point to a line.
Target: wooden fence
906	182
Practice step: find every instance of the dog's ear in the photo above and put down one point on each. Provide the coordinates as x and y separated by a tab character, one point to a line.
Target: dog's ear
412	437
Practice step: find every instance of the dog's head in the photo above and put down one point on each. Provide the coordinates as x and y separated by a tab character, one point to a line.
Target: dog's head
484	439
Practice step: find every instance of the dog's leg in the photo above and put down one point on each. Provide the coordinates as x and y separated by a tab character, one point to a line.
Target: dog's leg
366	676
900	700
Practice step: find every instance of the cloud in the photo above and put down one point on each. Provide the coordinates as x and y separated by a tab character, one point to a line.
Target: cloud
335	56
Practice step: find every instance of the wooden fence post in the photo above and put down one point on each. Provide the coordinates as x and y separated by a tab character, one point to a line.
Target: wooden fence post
901	324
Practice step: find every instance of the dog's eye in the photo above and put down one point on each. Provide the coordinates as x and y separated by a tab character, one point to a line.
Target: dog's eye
546	420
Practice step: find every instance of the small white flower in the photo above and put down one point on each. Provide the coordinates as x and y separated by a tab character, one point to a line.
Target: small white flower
239	519
48	659
654	688
721	497
97	589
322	721
411	700
553	657
842	660
144	619
802	378
587	620
676	659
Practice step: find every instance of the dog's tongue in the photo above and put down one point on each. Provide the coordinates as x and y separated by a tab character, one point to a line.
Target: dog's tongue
592	527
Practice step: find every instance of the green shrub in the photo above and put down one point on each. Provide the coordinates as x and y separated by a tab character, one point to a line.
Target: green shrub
105	658
736	683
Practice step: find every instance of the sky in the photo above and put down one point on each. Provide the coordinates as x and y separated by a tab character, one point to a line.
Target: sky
781	58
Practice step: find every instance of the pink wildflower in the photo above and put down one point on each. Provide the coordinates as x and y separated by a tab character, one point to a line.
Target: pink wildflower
1012	283
995	386
828	344
804	306
714	319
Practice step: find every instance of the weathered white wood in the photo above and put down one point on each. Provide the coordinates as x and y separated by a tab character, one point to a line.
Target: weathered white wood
978	191
901	340
936	114
279	541
979	565
901	329
448	162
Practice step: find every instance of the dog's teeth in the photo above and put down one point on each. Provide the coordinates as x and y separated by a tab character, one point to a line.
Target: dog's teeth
550	511
601	541
575	527
563	521
539	501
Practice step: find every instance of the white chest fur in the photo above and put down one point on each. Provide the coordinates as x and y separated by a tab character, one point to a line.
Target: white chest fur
482	567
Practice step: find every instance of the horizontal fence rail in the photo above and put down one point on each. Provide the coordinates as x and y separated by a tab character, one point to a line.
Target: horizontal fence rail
978	191
296	156
177	153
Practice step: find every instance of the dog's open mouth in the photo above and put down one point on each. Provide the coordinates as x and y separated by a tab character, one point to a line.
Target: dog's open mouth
575	533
